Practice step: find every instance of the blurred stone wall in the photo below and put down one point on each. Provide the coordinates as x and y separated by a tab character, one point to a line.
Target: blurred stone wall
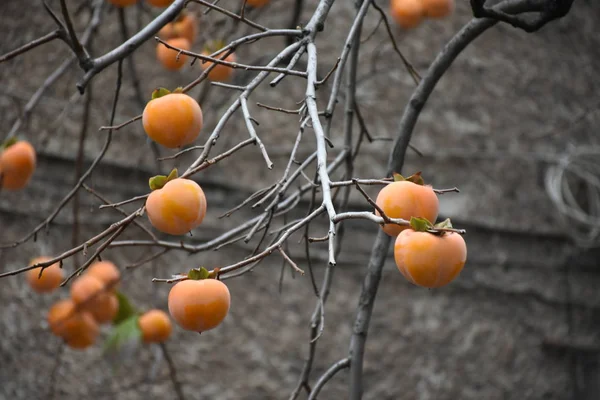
521	322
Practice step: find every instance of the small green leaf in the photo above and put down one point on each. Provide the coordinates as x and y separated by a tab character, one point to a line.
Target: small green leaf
160	92
9	142
178	89
197	274
125	332
416	178
445	224
173	175
126	310
420	224
398	177
157	182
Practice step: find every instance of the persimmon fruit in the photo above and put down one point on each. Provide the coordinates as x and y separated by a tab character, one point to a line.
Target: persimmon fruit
172	59
88	293
257	3
51	277
176	208
159	3
105	271
156	326
438	8
407	13
17	164
76	327
106	311
173	120
430	260
185	26
199	305
220	73
122	3
405	199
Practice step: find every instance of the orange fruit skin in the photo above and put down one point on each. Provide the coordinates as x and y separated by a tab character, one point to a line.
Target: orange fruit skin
122	3
177	208
257	3
429	260
87	292
50	279
106	272
438	8
77	328
220	73
173	120
159	3
169	57
156	326
17	164
185	27
407	13
106	311
404	200
199	305
85	333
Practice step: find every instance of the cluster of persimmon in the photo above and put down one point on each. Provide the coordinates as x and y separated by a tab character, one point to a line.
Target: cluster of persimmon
17	164
176	206
93	301
427	255
410	13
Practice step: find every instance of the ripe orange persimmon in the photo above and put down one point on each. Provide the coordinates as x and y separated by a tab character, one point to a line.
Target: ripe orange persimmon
122	3
173	120
405	199
185	26
430	260
87	292
257	3
159	3
169	58
106	272
438	8
77	328
220	73
199	305
407	13
107	309
177	208
156	326
51	277
17	163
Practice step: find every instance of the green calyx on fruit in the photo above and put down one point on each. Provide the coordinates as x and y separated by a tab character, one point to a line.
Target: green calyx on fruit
414	178
159	181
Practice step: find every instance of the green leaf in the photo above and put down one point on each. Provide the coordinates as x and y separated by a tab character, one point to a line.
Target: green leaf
420	224
178	89
160	92
197	274
126	310
398	177
157	182
9	142
126	332
416	178
444	224
173	175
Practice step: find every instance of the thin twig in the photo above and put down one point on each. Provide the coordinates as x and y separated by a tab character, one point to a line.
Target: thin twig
31	45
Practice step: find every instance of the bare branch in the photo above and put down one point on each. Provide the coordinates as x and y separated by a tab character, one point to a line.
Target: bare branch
230	14
31	45
326	377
